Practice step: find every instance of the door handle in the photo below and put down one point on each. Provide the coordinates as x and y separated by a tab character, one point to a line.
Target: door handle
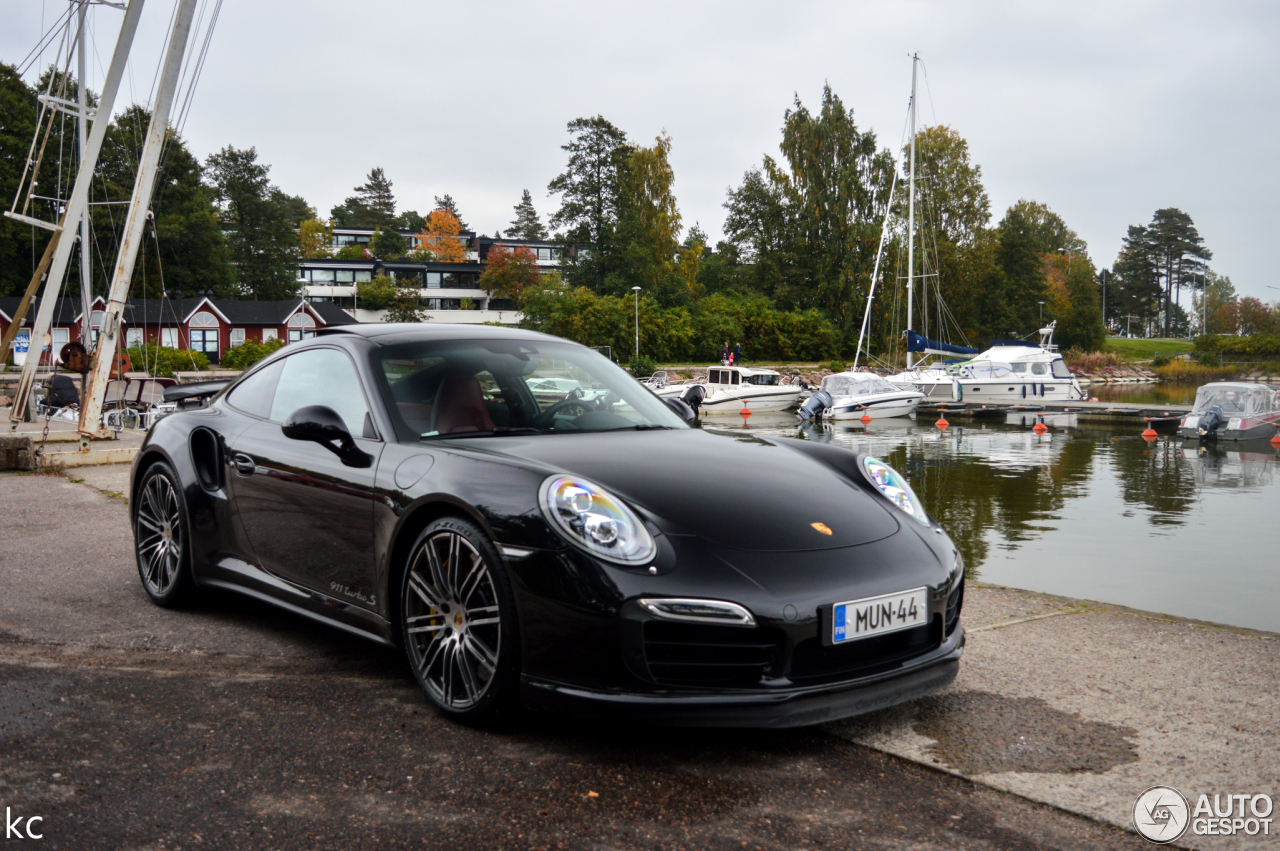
244	464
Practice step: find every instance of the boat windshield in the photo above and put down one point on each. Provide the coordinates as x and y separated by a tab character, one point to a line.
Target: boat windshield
444	389
1236	399
765	379
1060	369
844	384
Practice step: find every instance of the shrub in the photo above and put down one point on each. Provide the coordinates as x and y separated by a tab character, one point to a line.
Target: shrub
163	362
1160	360
1079	361
248	353
641	366
1249	348
1207	358
1187	371
835	366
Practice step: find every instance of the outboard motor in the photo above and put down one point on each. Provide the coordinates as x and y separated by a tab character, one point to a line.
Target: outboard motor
693	396
1210	423
814	406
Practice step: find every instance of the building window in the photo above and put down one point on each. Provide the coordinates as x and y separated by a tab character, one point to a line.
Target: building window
501	304
169	338
433	280
237	336
301	327
407	277
364	276
133	338
269	334
344	276
61	336
321	276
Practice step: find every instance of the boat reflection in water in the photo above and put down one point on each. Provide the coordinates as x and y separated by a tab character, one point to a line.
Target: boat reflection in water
1085	510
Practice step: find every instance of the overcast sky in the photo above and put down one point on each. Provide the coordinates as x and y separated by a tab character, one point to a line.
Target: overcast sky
1104	111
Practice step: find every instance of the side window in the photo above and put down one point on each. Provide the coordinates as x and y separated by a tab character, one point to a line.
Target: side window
1019	367
736	377
253	395
1039	368
321	377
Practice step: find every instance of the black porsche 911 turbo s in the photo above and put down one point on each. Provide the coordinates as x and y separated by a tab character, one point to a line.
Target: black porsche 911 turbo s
535	528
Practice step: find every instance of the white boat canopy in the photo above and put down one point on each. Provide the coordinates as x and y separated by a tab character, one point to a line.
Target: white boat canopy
1237	398
856	384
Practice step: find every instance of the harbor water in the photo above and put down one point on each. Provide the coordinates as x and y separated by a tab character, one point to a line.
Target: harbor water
1081	511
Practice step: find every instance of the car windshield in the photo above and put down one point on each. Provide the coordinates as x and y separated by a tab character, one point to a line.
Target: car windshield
470	388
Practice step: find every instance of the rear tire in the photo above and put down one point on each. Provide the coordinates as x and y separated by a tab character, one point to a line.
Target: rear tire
458	621
162	537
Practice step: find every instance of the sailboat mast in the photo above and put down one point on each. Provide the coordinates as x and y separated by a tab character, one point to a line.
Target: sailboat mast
82	134
911	204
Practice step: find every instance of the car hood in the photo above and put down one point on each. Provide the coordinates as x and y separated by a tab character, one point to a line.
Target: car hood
736	491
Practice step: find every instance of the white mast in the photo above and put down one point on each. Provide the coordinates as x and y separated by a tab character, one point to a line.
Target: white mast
911	203
76	204
82	133
144	184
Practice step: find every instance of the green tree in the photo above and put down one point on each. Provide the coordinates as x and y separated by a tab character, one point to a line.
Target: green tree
372	206
1178	252
406	306
648	222
1020	257
21	246
1045	229
951	199
509	272
388	244
1135	287
315	239
526	224
410	220
589	191
264	246
377	294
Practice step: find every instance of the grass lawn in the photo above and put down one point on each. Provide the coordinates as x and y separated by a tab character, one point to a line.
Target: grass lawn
1136	349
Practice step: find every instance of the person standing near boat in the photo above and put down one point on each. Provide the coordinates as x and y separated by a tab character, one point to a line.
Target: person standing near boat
737	354
724	354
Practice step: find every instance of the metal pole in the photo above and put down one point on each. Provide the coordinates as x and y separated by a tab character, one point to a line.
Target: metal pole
82	132
148	166
636	290
911	203
76	204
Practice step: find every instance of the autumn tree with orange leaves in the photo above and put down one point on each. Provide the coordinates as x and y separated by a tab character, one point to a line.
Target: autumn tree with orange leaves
509	271
440	238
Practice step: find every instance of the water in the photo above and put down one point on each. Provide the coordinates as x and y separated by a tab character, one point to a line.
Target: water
1145	394
1088	512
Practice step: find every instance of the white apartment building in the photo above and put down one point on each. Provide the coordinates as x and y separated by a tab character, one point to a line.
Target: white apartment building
451	291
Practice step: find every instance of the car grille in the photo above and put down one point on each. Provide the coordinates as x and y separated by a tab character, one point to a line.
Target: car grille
864	657
954	603
714	655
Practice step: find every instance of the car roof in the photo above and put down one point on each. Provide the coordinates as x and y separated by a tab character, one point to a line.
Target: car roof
388	333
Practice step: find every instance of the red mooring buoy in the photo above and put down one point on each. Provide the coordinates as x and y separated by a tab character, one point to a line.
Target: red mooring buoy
746	412
942	422
1149	434
1275	440
1039	428
866	418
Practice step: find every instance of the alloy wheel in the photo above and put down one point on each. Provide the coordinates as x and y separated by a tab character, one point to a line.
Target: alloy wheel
452	620
159	535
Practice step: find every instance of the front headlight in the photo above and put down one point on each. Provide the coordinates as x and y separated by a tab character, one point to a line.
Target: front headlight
894	486
596	520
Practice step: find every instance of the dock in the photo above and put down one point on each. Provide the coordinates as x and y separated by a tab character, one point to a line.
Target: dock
1102	412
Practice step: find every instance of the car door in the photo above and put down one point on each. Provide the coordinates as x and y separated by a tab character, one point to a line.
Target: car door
307	515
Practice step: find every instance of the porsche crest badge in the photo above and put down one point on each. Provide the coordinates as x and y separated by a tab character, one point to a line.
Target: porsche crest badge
822	527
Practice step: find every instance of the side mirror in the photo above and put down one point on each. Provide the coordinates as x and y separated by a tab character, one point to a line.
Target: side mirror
682	409
322	425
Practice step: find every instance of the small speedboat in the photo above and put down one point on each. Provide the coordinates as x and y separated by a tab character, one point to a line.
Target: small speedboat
1233	410
730	389
853	395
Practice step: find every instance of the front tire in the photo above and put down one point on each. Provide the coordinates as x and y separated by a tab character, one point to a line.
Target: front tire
162	538
458	620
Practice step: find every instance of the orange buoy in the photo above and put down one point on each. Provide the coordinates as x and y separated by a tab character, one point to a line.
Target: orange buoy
1275	440
746	412
942	422
1150	433
866	418
1039	428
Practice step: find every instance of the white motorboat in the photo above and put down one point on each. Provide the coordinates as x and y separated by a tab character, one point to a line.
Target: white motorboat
1233	410
730	389
857	394
1009	371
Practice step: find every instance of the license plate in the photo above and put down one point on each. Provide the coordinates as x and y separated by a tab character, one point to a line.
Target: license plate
877	615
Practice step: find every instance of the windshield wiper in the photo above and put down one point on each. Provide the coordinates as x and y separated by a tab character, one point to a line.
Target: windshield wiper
650	427
499	431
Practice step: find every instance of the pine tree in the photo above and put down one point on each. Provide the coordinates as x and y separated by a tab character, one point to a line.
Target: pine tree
373	205
447	203
526	224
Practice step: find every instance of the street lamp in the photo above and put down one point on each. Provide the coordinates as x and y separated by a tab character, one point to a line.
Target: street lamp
1041	303
636	290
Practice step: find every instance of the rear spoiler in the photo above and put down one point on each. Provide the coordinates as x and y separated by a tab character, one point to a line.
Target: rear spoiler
198	390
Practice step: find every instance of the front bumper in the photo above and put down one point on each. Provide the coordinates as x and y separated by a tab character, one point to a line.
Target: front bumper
768	708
